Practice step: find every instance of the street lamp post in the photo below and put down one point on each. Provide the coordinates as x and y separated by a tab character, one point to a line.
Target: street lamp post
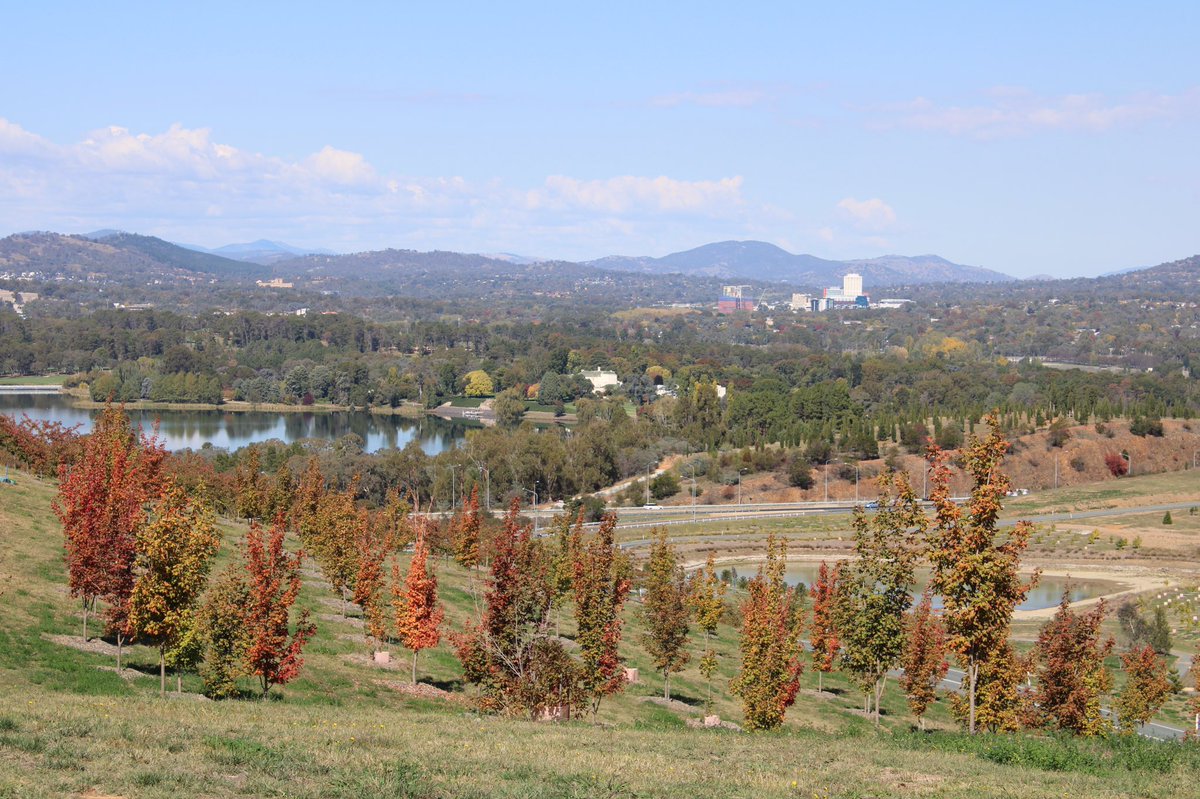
856	484
740	473
535	508
693	468
453	475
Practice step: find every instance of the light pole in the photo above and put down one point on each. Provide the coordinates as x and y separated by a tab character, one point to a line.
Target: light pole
740	472
856	484
535	504
826	482
453	475
693	468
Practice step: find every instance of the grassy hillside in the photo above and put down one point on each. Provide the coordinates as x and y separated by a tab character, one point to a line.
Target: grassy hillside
69	725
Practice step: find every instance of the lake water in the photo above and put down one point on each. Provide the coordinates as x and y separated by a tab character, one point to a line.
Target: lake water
233	429
1047	594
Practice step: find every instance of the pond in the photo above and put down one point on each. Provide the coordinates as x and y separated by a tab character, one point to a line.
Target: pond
233	429
1047	594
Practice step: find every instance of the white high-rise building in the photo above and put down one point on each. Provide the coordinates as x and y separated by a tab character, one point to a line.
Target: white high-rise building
852	285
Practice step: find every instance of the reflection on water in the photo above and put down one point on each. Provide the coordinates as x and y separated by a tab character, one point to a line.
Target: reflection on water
184	429
1047	594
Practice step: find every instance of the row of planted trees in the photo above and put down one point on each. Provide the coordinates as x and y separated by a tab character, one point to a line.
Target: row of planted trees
144	547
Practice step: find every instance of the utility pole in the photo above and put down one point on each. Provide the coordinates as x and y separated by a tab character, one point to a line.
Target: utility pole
647	485
856	484
1056	471
827	483
693	467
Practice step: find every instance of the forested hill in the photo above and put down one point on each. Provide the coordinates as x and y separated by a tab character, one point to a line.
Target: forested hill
452	275
763	261
118	257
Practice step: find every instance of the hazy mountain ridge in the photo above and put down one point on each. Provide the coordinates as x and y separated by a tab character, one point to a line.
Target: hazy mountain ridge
115	256
763	261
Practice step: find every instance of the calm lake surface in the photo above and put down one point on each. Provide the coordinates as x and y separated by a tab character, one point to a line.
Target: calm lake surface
233	429
1047	594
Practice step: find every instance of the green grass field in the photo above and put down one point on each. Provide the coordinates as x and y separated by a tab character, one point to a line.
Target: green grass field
70	726
42	380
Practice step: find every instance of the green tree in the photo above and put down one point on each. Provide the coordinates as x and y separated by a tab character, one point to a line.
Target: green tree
665	610
706	594
509	407
875	591
1146	687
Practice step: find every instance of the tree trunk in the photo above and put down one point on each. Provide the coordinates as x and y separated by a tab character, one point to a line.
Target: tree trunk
85	617
667	685
120	643
414	667
921	721
162	672
879	686
178	682
972	676
820	681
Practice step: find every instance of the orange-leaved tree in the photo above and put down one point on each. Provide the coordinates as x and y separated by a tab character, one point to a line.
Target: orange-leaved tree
601	584
665	610
1146	687
101	502
976	570
273	649
251	486
375	542
1069	661
706	594
418	613
772	622
822	632
466	532
174	553
924	660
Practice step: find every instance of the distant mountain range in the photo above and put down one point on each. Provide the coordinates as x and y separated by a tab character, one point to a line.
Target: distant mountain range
116	255
263	251
759	260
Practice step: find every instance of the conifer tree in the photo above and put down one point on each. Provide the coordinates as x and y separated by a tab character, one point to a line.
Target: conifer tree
665	610
875	591
601	584
1146	687
772	622
975	570
101	503
174	552
706	593
924	660
823	634
273	648
418	613
1069	662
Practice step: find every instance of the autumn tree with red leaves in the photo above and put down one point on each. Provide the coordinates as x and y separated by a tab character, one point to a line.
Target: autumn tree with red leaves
375	542
509	653
1069	662
822	632
174	552
273	648
772	623
1146	687
418	614
41	446
976	571
101	502
924	660
601	584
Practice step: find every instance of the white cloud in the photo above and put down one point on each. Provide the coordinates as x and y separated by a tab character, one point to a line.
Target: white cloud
724	98
872	214
1014	111
184	185
629	193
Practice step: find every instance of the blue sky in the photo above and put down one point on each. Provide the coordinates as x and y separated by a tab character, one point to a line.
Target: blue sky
1023	138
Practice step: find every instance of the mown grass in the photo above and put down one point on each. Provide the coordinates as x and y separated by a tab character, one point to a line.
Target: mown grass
68	727
39	380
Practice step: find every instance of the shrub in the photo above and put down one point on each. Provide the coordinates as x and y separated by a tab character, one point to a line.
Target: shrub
800	473
949	437
1167	518
1078	463
1116	464
665	485
1145	426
